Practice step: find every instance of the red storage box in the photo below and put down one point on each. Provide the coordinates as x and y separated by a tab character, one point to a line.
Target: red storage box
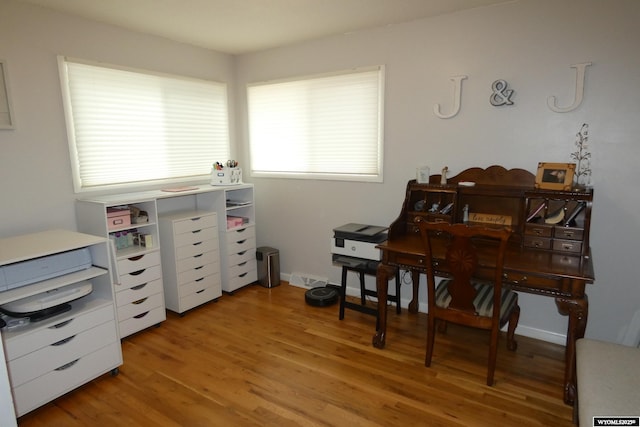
118	218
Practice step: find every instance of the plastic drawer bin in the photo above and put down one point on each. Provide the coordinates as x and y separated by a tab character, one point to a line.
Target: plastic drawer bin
268	266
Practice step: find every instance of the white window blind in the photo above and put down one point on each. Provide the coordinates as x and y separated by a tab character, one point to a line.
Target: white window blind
131	127
327	127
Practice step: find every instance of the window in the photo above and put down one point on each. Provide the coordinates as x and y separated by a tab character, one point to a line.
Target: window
326	127
130	127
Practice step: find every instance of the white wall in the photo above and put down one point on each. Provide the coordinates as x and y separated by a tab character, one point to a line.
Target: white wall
35	179
529	43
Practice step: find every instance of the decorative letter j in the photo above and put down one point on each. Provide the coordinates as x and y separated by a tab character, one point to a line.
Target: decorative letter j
457	93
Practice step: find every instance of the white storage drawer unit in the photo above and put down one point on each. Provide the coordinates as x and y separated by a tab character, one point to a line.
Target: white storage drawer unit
54	355
202	252
241	258
190	259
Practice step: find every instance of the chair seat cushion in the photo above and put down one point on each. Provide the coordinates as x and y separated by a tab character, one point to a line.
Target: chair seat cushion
483	301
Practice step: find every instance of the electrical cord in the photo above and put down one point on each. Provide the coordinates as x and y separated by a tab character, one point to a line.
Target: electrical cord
405	278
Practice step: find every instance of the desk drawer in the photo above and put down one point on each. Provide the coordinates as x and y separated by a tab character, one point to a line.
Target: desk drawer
139	277
537	242
196	248
198	298
139	292
540	230
531	282
518	280
234	236
185	264
65	378
140	262
57	354
142	321
196	273
572	246
568	233
243	267
567	259
241	246
140	306
240	257
195	286
240	280
406	259
47	335
193	237
196	223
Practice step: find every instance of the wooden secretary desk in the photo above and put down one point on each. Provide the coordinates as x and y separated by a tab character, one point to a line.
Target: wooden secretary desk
549	251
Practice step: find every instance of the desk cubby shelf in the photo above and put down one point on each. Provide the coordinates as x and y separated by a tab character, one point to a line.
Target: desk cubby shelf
548	220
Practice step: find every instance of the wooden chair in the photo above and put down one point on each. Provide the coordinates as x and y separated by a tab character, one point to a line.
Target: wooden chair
461	298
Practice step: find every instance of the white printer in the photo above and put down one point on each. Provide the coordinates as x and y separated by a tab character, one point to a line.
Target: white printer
27	272
357	241
45	304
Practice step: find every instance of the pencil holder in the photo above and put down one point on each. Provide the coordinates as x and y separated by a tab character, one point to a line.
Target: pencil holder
226	176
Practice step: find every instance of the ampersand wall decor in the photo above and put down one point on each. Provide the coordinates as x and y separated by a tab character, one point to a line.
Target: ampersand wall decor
501	95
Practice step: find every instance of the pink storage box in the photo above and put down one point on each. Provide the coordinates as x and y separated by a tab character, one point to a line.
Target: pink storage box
118	218
234	221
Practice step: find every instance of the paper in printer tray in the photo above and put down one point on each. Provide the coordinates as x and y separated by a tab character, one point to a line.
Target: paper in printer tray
361	232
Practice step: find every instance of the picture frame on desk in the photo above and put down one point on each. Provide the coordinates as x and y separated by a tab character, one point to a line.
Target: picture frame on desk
555	176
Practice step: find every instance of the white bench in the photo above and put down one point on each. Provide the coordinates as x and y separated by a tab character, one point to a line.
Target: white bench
608	377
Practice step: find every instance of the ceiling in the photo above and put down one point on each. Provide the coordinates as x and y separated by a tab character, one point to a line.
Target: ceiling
242	26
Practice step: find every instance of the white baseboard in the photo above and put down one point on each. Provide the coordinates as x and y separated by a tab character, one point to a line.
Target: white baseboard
542	335
524	330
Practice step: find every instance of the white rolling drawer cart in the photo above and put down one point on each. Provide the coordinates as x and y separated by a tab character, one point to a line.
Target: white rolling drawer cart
136	265
239	257
190	259
52	356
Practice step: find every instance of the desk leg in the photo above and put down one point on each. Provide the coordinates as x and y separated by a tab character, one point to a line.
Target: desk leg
383	274
343	292
415	283
577	310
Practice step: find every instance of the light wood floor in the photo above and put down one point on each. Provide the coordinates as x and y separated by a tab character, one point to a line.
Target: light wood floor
262	357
